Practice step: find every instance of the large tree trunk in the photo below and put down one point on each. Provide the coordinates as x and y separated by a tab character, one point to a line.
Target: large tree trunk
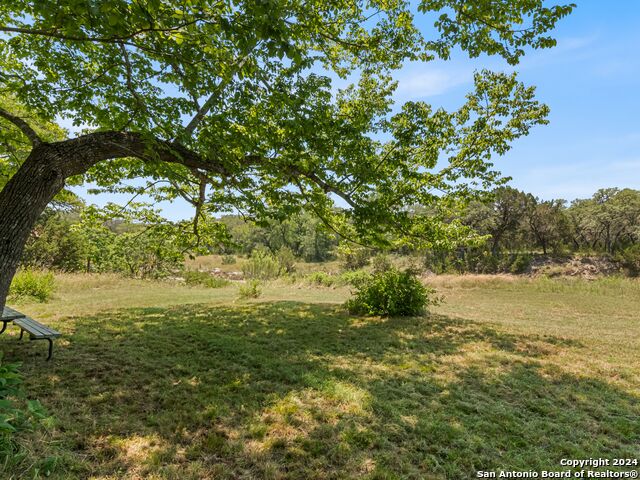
43	175
22	200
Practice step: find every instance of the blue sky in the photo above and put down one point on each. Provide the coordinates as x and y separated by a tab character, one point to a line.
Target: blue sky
590	81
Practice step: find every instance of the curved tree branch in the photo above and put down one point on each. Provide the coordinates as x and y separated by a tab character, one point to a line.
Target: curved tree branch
77	155
29	132
204	109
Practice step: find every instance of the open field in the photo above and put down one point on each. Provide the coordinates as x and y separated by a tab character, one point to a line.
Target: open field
160	381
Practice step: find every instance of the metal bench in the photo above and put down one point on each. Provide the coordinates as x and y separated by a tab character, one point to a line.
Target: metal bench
37	331
8	316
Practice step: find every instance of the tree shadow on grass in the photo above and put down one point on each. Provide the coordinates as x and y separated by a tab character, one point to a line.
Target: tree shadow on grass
292	390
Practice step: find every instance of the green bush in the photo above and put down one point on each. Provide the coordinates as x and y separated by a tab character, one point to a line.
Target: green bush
261	266
205	279
287	260
16	413
251	289
55	244
354	277
381	263
228	259
353	257
477	260
629	259
35	284
321	278
520	263
391	293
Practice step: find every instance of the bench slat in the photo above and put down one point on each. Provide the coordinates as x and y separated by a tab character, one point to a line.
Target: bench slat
36	329
29	323
9	313
30	327
38	333
37	326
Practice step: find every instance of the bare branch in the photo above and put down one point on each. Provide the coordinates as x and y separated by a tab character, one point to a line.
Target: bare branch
129	78
204	109
329	188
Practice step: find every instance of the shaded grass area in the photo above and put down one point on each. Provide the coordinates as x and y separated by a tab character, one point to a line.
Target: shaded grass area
297	390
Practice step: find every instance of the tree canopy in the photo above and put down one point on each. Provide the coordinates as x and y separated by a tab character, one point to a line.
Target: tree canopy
231	105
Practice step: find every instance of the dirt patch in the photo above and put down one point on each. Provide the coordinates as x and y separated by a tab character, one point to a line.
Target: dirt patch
578	266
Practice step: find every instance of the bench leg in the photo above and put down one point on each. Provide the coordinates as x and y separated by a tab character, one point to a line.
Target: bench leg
21	333
48	340
4	326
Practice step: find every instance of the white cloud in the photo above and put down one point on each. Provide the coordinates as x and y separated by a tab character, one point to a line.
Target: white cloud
568	49
414	83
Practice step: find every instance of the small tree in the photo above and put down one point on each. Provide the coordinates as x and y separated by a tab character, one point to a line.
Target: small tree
390	293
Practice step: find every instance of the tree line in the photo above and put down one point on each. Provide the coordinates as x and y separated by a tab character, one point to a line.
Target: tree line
510	224
608	222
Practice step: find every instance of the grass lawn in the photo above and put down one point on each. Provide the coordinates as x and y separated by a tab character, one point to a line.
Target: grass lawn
158	381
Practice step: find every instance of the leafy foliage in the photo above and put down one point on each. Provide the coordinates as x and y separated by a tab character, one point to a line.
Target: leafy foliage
511	227
13	147
353	257
629	258
140	243
16	413
57	244
390	293
31	283
271	135
321	278
287	260
251	289
261	266
608	221
303	233
353	277
205	279
228	259
520	263
381	263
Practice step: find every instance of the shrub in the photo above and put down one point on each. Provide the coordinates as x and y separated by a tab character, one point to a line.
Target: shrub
262	266
205	279
629	259
480	261
55	244
352	257
287	260
390	293
16	413
250	290
33	283
520	263
477	260
321	278
354	278
228	259
381	263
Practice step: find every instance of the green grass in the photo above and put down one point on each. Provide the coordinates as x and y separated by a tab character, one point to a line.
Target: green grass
161	381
